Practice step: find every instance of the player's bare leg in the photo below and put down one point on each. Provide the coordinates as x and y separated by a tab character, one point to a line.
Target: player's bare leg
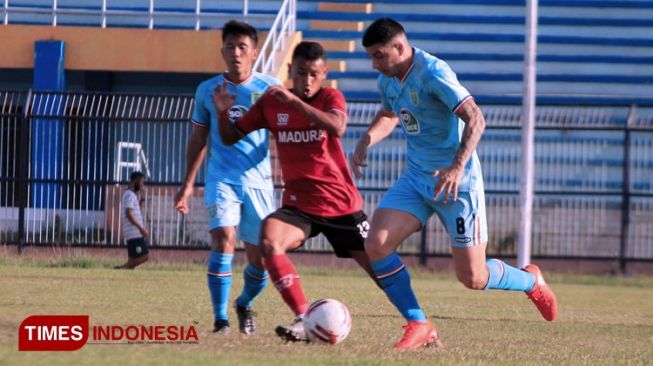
277	238
469	264
390	228
364	262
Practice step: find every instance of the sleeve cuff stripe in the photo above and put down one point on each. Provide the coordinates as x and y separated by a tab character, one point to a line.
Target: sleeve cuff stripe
455	109
199	124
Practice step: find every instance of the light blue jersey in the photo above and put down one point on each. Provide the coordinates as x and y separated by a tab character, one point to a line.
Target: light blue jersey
425	102
247	162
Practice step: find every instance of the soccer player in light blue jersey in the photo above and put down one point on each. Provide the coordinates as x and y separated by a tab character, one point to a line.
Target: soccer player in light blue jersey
442	125
239	190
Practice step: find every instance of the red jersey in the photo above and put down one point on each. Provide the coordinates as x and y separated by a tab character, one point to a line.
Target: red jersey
316	177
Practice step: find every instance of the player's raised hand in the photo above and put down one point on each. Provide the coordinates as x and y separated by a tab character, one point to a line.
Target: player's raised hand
358	158
282	94
450	178
222	99
181	200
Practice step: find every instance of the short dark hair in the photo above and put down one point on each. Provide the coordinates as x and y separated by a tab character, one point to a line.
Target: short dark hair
309	51
381	31
238	28
136	175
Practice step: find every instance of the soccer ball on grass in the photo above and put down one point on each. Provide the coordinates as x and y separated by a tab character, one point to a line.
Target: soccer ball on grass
327	321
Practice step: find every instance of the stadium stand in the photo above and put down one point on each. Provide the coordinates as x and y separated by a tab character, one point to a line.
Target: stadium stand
587	49
167	14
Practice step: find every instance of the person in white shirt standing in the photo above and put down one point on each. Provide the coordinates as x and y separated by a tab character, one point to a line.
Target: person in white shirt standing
133	227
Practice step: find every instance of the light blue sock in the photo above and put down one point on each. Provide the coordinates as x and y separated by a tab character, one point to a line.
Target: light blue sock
219	280
255	281
395	281
506	277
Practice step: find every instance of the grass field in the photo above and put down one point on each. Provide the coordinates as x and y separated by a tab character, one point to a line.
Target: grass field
603	320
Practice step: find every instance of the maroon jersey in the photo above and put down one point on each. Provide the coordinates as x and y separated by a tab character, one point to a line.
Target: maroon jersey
313	165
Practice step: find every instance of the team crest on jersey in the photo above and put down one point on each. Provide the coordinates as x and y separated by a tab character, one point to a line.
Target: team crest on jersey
282	119
414	97
410	123
236	112
255	96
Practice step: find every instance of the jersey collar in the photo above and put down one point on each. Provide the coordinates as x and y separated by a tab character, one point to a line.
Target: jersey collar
410	68
224	76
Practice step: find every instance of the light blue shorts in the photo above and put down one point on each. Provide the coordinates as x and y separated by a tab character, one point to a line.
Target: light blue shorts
238	206
464	219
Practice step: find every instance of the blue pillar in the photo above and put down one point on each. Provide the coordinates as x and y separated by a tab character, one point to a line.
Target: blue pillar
49	73
48	132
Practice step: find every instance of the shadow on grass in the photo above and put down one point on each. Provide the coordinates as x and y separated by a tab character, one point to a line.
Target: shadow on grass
444	317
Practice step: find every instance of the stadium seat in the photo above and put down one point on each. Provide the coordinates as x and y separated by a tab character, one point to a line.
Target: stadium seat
580	52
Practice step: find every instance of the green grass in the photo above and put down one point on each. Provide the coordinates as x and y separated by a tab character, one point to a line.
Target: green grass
603	320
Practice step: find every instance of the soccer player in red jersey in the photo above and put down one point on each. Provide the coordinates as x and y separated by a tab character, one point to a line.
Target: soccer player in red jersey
319	192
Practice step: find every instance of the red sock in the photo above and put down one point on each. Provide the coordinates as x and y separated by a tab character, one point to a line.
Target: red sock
286	280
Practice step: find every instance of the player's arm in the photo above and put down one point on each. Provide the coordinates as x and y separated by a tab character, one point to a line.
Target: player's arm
195	153
471	114
450	177
223	101
334	121
195	149
382	125
443	84
230	133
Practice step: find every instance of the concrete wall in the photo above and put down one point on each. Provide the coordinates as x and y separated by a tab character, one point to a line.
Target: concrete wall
118	49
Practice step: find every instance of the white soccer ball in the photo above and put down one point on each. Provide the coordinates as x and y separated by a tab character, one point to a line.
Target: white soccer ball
327	321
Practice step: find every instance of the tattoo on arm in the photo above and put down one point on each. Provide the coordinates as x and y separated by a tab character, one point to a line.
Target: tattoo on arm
471	114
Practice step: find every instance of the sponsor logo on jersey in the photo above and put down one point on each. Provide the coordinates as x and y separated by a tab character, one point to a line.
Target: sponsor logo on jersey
299	137
282	119
463	239
414	97
410	123
236	112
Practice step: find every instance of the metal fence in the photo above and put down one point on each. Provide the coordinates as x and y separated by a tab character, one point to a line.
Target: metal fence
66	158
594	180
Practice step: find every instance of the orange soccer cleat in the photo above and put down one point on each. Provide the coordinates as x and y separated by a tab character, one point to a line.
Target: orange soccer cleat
418	334
542	295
